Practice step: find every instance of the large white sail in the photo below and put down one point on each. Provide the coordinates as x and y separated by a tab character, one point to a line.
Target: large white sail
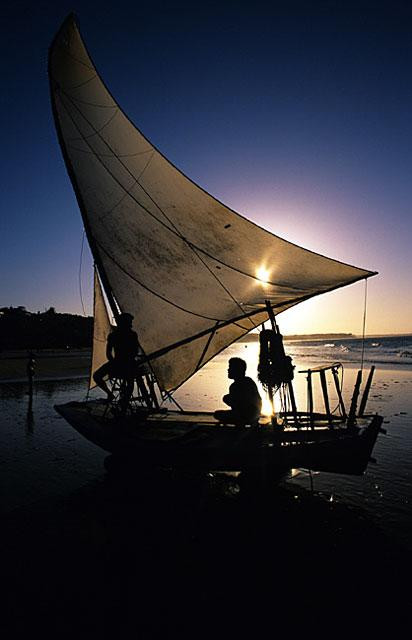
185	265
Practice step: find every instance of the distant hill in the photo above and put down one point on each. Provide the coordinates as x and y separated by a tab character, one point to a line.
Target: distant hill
253	337
22	329
319	336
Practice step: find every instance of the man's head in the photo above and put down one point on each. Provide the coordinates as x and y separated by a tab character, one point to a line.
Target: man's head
125	321
237	368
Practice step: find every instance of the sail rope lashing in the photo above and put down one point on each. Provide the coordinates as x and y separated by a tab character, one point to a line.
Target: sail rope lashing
80	273
364	322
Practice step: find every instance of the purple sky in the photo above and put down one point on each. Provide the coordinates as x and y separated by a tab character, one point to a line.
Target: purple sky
298	117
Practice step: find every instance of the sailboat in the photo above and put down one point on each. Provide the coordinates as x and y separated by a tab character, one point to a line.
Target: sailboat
196	276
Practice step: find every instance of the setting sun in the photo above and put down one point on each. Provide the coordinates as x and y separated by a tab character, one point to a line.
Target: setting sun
267	409
263	274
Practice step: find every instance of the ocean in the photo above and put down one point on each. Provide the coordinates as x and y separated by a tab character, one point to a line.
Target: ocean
382	351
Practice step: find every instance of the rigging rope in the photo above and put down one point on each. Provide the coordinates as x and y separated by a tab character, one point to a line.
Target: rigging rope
364	322
80	273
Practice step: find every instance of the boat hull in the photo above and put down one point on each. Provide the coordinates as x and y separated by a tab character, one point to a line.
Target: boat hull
194	440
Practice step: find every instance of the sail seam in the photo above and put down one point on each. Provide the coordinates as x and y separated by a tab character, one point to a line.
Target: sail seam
126	192
95	104
84	64
158	295
96	131
109	155
75	86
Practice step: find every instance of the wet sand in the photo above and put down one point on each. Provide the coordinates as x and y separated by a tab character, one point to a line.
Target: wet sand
163	555
49	364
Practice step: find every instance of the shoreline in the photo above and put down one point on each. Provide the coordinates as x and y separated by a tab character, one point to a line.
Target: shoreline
71	363
49	366
80	376
52	369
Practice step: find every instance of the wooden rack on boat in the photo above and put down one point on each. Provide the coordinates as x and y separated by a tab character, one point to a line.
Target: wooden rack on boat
310	417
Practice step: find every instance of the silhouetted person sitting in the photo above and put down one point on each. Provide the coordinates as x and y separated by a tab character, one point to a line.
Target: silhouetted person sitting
121	351
243	398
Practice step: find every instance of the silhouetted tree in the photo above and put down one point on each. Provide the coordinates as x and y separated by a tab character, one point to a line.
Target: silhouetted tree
21	329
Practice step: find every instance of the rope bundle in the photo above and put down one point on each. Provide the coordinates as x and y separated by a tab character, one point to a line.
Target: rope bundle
275	367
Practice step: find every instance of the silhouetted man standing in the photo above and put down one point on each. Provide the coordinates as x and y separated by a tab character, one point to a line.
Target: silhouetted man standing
243	398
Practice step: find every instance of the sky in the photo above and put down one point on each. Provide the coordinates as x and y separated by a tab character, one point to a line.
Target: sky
296	115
